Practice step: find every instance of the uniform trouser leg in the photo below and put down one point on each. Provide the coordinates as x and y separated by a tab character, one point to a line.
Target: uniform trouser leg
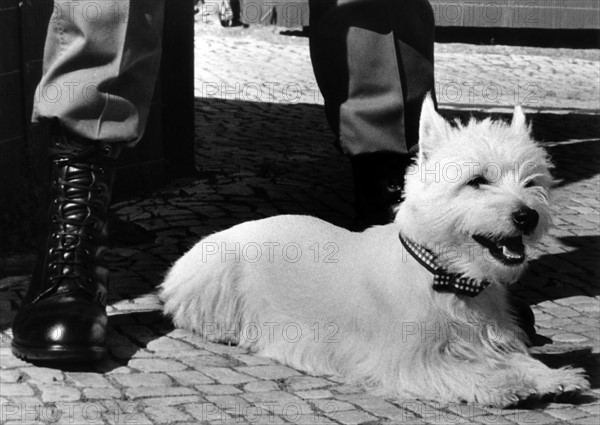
101	61
373	60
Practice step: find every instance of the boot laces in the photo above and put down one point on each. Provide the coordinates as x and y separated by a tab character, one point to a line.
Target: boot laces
74	226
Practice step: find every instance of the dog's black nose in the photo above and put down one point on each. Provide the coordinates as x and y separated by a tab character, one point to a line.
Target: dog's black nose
526	219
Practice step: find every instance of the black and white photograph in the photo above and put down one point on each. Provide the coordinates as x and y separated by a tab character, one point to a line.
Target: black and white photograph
302	212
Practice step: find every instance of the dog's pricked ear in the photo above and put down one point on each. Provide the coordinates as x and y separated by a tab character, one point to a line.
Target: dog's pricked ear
433	129
519	121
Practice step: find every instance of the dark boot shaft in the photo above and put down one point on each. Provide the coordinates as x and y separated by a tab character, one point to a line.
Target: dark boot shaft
378	186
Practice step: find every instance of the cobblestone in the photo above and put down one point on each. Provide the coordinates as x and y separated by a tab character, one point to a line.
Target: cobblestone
571	338
269	372
569	414
352	417
227	376
207	412
156	365
101	393
527	417
190	378
268	154
54	393
93	380
306	383
11	376
314	394
169	345
218	389
208	360
154	391
42	375
163	415
143	379
16	390
591	420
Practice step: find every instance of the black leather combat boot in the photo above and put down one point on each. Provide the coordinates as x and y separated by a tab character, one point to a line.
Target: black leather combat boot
378	184
63	315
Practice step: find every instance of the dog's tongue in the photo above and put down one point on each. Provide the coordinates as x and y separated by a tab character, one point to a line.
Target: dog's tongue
512	248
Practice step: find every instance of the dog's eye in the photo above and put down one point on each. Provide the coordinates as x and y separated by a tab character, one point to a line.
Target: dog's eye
531	183
477	181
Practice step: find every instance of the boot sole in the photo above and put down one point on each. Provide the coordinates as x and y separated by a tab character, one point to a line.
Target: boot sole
59	353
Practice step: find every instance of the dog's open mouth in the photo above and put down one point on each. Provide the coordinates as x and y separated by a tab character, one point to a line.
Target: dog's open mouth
509	251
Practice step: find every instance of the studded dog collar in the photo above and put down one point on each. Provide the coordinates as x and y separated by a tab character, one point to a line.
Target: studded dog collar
442	280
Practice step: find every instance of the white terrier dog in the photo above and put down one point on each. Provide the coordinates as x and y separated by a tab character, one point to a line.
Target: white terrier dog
415	308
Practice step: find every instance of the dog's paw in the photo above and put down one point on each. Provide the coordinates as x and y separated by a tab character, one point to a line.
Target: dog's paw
518	396
562	381
510	396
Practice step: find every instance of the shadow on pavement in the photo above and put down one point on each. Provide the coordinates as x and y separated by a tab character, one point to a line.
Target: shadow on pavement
130	334
563	275
583	358
576	161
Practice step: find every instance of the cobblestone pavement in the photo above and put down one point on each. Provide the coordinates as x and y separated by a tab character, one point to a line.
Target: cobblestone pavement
263	148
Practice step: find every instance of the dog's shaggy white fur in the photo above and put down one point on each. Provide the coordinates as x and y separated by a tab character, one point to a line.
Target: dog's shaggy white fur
329	301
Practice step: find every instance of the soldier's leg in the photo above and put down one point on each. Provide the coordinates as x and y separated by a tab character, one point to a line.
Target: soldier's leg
373	60
101	62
